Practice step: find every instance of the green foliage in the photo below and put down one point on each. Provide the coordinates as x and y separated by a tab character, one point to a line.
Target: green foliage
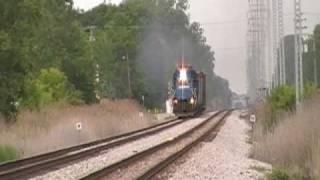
46	55
49	86
151	33
36	35
282	98
309	90
317	52
8	153
278	174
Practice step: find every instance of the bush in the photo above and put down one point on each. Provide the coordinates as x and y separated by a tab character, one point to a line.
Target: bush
282	98
278	174
50	86
281	102
8	153
309	90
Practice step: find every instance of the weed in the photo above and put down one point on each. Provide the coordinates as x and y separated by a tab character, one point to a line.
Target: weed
8	153
278	174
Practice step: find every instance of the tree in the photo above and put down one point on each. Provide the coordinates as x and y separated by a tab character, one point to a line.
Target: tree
41	34
17	21
143	38
317	44
153	33
50	86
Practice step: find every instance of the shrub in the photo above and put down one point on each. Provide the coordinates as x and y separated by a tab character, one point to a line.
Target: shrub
8	153
50	86
309	90
279	104
282	98
278	174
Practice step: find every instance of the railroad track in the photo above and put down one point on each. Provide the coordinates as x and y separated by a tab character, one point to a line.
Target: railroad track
148	163
37	165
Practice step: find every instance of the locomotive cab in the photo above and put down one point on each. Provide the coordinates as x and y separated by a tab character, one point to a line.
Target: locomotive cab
184	95
184	101
188	91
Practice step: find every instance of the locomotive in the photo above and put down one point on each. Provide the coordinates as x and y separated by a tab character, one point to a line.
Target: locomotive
188	91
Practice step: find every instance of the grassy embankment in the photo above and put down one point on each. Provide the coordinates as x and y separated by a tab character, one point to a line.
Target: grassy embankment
54	127
289	140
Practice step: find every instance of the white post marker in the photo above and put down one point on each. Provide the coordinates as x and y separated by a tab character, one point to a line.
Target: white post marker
252	120
79	128
142	97
169	106
141	115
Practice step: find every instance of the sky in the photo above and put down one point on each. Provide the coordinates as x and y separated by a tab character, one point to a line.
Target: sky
225	25
224	22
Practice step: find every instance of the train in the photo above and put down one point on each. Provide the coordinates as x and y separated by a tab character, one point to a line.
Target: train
188	91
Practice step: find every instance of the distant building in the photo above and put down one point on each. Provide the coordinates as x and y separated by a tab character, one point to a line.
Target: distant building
239	101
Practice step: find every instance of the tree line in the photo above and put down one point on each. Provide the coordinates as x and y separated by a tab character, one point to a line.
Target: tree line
50	51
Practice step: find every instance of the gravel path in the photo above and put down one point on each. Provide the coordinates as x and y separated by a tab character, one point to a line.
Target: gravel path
116	154
224	158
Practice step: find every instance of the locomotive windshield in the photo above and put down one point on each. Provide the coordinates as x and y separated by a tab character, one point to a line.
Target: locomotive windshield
183	93
183	76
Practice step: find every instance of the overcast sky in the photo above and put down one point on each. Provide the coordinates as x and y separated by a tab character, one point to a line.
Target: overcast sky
225	27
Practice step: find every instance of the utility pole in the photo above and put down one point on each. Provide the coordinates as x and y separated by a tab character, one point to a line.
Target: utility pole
298	28
281	43
275	36
270	63
91	31
315	70
126	57
97	67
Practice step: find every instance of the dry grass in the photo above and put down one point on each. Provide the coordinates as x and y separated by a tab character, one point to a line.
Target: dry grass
55	127
295	142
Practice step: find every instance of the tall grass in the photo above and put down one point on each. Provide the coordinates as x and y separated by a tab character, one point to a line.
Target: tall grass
294	143
55	127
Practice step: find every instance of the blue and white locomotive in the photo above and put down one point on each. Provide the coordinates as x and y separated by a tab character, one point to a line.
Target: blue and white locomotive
188	91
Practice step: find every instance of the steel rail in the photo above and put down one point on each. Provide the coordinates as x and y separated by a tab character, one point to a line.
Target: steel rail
37	164
152	172
130	160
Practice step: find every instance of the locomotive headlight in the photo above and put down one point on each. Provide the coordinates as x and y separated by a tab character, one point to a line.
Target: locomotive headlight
192	101
183	75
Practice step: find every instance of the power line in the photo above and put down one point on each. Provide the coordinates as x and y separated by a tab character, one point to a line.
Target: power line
200	23
223	22
229	48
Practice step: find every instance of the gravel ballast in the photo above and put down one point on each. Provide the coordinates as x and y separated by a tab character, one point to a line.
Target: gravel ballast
78	170
223	158
138	168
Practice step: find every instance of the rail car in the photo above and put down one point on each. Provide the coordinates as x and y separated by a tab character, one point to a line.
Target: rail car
188	91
